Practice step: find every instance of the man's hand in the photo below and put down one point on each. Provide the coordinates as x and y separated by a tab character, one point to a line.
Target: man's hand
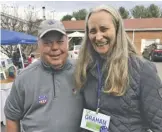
12	126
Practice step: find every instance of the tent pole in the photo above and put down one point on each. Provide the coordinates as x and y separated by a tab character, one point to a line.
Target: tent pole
69	39
22	60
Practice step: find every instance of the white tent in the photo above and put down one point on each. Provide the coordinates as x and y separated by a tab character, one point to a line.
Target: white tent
75	34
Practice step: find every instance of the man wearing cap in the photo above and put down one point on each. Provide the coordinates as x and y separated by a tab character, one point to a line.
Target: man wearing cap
43	96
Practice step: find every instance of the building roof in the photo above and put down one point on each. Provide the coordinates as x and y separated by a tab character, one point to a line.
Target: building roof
129	24
74	25
146	23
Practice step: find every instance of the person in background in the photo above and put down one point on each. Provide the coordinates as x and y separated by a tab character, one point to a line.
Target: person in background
43	97
32	59
16	58
115	81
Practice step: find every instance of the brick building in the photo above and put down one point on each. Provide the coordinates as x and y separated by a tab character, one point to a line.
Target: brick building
141	31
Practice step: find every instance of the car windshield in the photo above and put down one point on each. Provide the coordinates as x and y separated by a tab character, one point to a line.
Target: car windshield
77	47
159	46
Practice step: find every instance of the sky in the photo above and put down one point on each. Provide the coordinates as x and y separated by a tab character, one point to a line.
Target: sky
57	9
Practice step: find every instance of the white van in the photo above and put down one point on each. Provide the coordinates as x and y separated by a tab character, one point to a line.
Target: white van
74	53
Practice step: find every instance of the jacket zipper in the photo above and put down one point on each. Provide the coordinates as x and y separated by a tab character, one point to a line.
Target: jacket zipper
53	79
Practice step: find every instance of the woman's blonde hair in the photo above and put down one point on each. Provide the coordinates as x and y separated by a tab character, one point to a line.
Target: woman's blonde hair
116	80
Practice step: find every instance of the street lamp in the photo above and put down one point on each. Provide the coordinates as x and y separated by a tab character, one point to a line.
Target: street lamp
44	16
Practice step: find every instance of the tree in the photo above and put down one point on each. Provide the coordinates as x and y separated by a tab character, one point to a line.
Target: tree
66	17
153	11
139	11
80	15
124	13
7	23
15	23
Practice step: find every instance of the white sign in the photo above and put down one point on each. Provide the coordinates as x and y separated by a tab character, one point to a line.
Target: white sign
95	122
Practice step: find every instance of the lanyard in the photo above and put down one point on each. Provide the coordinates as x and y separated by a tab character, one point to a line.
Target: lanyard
99	87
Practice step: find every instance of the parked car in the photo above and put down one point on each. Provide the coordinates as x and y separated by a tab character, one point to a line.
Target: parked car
153	52
74	53
7	70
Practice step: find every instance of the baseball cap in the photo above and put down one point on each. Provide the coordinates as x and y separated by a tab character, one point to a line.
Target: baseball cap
50	25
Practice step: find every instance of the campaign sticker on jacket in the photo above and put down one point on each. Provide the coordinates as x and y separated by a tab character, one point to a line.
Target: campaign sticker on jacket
95	122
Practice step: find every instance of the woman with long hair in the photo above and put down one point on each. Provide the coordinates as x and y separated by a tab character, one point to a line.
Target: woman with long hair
114	80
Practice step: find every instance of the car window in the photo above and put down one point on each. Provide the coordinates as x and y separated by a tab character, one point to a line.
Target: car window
159	47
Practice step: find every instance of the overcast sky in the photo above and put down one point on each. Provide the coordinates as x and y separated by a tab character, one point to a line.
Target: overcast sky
64	7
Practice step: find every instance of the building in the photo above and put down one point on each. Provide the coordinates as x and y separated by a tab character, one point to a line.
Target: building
141	31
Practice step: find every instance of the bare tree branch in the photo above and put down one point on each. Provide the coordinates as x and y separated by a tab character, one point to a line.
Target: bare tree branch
12	22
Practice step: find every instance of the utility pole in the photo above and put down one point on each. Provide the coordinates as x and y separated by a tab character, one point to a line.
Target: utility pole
44	16
53	14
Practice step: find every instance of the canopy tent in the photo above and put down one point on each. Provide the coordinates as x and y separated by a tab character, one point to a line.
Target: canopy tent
75	34
16	38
